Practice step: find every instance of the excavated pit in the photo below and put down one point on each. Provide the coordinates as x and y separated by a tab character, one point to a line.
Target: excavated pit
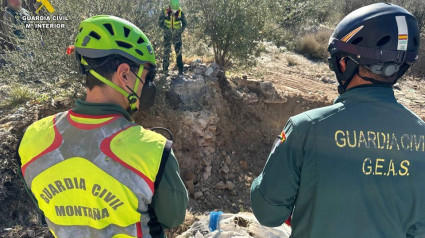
223	132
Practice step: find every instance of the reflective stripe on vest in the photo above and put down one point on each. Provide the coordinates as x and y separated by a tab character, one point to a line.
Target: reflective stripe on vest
173	21
92	175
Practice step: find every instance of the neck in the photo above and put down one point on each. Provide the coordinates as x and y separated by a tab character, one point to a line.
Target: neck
105	95
357	81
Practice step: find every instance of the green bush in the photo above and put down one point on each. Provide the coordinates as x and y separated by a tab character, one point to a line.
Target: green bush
232	28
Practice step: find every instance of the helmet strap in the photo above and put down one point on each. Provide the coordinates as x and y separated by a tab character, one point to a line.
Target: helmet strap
132	98
344	78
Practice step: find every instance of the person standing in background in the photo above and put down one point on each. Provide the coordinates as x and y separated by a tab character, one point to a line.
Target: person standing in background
13	22
173	22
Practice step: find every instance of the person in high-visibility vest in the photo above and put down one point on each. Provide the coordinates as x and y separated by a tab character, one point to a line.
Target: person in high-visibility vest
92	171
173	22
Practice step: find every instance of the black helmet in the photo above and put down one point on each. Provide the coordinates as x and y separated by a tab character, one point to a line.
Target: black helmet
383	37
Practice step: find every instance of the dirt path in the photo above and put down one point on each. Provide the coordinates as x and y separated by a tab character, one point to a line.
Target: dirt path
312	79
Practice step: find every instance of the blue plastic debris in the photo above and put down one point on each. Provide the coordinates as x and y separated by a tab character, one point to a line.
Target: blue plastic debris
214	220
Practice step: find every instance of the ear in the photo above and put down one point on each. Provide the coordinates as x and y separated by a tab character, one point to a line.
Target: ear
342	64
122	74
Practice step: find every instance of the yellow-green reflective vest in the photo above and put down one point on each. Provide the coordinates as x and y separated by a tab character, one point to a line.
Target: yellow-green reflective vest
173	20
92	176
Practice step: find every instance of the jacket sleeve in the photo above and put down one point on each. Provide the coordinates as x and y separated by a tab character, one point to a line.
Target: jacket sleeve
273	193
161	21
170	198
184	22
7	27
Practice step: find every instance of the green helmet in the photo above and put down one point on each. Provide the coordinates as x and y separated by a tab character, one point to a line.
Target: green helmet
175	5
103	35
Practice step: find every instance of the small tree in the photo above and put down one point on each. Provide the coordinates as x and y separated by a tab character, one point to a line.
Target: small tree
232	27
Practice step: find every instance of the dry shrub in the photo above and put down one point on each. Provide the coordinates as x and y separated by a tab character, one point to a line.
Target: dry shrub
292	60
315	45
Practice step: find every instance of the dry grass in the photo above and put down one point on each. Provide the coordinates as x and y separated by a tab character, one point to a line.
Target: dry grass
190	219
18	95
205	59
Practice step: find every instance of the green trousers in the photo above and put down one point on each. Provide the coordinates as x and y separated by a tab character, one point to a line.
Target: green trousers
174	38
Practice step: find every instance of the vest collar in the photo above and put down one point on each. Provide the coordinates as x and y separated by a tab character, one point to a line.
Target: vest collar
372	93
96	109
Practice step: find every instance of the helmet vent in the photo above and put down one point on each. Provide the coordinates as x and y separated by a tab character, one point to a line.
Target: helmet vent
123	44
81	29
357	40
126	31
94	35
383	41
139	52
140	41
109	28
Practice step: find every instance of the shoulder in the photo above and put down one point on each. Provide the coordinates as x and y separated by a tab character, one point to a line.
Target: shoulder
38	137
43	129
413	116
43	124
314	116
8	13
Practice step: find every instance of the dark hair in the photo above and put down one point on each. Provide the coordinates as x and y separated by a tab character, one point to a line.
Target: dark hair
105	66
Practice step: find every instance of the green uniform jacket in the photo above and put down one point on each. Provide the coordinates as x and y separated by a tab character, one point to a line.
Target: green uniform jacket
170	198
353	169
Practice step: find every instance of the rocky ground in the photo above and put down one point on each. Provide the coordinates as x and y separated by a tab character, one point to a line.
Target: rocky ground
223	127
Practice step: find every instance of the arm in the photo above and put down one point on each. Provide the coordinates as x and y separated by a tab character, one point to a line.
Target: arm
7	27
161	21
273	193
170	198
184	22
